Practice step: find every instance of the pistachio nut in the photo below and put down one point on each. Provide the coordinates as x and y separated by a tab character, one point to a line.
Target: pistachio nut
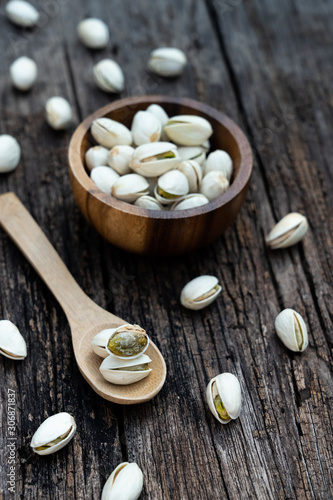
171	186
22	13
23	73
213	185
12	344
200	292
109	133
219	161
125	483
10	153
224	397
196	153
54	433
130	187
188	130
119	157
109	76
190	201
154	159
148	202
288	231
97	156
98	343
127	341
159	113
125	372
193	173
145	128
104	178
93	33
58	113
167	61
291	330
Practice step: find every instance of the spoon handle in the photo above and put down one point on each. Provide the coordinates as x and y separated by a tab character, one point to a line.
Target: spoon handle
28	236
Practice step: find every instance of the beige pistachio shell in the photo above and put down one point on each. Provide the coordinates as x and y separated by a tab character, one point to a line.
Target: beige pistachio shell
12	344
213	185
154	159
193	173
104	178
288	231
146	128
23	73
10	153
291	329
109	133
188	130
219	161
130	343
190	201
98	343
119	157
167	61
171	186
93	33
130	187
125	372
196	153
54	433
225	386
97	156
159	113
125	483
22	13
148	202
108	76
58	113
200	292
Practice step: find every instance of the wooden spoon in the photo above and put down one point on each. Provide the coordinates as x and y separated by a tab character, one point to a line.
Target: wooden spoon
85	318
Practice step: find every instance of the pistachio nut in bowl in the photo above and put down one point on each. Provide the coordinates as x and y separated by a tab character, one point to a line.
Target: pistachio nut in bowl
135	227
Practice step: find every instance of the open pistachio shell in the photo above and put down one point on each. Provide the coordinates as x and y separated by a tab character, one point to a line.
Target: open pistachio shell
193	173
127	342
200	292
224	397
190	201
291	330
125	483
154	159
109	76
188	130
109	133
125	372
22	13
219	161
159	113
167	61
104	178
97	156
130	187
213	185
54	433
99	341
171	186
12	344
288	231
146	128
118	159
197	153
148	202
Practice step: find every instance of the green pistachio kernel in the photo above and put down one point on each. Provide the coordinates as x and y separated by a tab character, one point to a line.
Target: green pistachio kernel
136	368
167	196
220	408
128	341
161	156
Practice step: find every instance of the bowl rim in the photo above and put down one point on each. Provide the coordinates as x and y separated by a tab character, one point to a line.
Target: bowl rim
78	170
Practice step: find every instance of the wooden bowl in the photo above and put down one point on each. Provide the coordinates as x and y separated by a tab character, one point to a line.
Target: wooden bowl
160	232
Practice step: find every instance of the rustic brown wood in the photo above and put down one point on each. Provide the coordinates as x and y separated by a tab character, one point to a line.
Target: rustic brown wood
268	66
161	232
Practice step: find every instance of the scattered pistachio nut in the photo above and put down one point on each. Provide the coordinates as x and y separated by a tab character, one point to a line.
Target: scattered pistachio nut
224	397
148	202
109	76
291	330
192	200
125	483
288	231
130	187
104	178
97	156
53	434
213	185
127	341
12	344
188	130
98	343
23	73
22	13
10	153
93	33
159	113
154	159
109	133
171	186
146	128
125	372
196	153
193	173
200	292
58	113
167	61
219	161
119	157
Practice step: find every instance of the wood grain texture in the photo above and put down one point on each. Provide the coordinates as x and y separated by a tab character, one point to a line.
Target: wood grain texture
268	66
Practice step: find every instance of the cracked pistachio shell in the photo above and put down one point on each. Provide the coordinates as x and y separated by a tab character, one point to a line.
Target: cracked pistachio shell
109	133
98	343
154	159
219	161
148	202
108	76
12	344
196	153
226	387
213	185
93	33
291	330
190	201
288	231
127	342
159	113
125	372
58	113
10	153
130	187
167	61
125	483
171	186
200	292
22	13
188	130
23	73
145	128
119	157
54	433
97	156
193	173
104	178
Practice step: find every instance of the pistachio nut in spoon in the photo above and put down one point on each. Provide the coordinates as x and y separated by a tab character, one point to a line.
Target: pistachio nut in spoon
86	318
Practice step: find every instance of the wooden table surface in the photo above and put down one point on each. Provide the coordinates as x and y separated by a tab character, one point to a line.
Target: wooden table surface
268	65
